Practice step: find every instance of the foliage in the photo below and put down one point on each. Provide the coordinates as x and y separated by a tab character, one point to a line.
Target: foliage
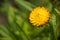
17	25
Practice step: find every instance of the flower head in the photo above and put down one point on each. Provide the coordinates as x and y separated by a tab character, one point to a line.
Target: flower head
39	16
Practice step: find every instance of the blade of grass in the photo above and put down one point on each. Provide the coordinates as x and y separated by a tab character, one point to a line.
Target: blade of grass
57	11
12	15
6	31
24	4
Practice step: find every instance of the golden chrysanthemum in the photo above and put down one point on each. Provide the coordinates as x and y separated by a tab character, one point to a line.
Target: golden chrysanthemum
39	16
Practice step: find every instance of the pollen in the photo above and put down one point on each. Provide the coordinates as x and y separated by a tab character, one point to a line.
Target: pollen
39	16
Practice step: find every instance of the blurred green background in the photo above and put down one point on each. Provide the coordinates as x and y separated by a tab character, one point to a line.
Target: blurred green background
15	25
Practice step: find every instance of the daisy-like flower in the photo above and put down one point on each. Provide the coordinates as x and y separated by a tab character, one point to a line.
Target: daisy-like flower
39	16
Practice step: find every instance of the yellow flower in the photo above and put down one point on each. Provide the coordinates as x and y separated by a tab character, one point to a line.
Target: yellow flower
39	16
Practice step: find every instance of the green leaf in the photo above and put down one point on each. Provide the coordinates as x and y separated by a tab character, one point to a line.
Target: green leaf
54	27
5	33
39	2
24	4
57	11
20	21
11	13
49	6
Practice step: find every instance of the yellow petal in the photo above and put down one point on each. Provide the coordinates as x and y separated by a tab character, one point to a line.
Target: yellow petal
39	16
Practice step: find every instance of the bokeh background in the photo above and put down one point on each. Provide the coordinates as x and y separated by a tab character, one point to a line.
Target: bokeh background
15	25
